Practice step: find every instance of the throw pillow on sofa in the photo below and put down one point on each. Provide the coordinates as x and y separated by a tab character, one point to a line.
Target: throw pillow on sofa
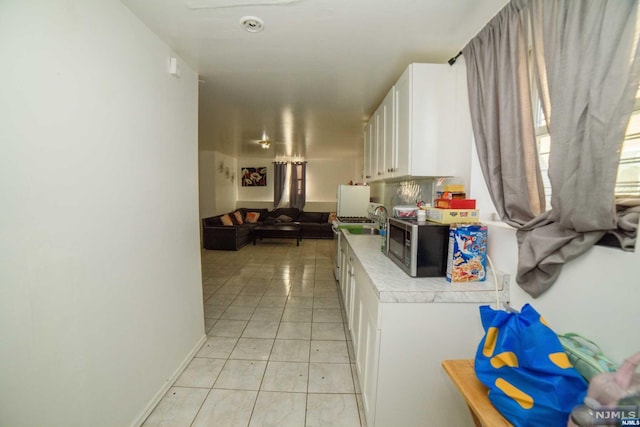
292	213
226	219
252	217
284	218
238	216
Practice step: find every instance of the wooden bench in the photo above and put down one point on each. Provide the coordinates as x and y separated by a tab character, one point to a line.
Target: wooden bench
483	412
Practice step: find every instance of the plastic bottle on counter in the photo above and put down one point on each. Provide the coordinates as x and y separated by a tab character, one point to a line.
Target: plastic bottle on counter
383	236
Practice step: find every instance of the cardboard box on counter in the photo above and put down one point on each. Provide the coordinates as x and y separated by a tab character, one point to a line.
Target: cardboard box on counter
450	195
467	256
453	216
455	203
454	188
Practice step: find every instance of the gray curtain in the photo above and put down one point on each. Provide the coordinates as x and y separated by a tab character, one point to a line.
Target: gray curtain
585	57
502	116
280	174
298	185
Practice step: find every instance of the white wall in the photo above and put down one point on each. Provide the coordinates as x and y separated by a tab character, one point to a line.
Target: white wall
596	295
226	179
100	282
207	180
323	178
217	187
247	196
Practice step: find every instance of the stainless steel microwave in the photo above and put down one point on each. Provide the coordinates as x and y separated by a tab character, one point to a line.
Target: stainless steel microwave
418	248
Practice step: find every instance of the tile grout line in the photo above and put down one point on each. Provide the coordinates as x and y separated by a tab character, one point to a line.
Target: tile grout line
297	262
306	398
266	365
195	417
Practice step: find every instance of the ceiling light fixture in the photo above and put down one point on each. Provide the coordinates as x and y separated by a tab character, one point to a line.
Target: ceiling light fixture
252	24
265	143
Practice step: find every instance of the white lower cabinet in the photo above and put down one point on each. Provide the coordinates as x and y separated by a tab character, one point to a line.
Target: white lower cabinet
347	283
366	338
344	255
399	348
349	299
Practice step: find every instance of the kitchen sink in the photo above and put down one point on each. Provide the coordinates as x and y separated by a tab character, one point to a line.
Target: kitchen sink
364	230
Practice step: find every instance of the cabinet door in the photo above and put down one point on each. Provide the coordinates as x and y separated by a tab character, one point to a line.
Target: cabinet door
381	113
369	382
349	301
422	127
402	91
366	341
390	141
367	151
356	320
344	253
433	121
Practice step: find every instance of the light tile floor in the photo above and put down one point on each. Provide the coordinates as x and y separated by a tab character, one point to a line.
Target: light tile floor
277	353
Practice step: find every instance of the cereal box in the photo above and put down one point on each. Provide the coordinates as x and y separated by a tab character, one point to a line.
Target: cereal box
453	216
467	257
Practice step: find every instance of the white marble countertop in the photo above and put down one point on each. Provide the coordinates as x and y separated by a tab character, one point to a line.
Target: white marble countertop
394	285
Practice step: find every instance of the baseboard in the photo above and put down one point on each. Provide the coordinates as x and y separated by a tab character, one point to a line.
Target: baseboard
167	385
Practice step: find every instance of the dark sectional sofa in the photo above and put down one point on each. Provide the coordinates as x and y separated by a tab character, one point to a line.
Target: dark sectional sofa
215	235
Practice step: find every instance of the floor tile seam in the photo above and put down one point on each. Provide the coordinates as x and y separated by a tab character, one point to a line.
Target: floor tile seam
188	387
330	393
272	344
360	413
260	386
195	417
205	357
239	360
238	337
306	401
235	389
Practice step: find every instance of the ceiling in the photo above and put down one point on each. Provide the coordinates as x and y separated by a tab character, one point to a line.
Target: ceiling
312	77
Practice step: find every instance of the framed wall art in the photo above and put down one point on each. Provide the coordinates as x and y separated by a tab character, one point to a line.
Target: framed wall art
254	177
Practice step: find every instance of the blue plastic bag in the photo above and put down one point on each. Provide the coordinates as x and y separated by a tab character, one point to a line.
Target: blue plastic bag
529	376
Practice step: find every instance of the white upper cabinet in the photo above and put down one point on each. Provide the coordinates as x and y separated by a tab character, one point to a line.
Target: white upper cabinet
369	147
423	125
366	164
383	142
380	141
388	154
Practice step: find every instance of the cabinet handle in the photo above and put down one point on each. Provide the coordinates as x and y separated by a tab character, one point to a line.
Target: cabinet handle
368	176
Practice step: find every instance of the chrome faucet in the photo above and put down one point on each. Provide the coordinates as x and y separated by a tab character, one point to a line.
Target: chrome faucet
381	214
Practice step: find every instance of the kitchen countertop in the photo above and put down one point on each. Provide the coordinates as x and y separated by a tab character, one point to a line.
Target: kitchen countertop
394	285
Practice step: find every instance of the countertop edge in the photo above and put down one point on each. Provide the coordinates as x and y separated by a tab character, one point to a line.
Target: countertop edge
392	285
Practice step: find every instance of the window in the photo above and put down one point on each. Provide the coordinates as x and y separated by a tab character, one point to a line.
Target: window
299	177
628	180
544	148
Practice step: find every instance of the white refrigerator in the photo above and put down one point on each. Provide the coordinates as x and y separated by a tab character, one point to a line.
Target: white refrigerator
353	200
